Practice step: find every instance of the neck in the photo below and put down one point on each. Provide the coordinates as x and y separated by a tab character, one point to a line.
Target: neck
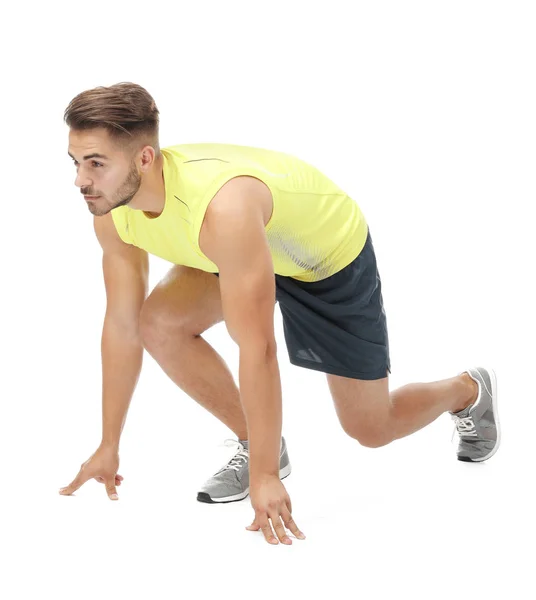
151	196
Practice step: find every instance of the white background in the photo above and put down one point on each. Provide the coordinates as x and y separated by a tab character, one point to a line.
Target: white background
424	113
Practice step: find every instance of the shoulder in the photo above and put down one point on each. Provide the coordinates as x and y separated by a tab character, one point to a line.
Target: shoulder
239	212
242	193
108	233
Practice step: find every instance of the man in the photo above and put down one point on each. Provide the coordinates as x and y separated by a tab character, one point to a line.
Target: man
245	228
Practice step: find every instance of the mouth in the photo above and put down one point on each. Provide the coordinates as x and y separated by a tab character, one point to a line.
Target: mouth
91	197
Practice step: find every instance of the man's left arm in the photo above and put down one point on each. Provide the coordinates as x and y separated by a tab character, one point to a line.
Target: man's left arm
234	238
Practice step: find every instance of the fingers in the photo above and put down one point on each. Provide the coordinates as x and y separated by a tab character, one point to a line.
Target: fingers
76	483
80	480
118	479
267	530
279	529
110	489
291	524
253	526
261	522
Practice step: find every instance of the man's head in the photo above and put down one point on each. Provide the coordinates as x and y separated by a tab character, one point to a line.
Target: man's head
120	125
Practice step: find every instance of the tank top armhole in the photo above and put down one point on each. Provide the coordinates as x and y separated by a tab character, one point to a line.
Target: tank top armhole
212	189
120	219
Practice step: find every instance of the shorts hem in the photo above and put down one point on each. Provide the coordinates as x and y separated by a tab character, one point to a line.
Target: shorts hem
342	372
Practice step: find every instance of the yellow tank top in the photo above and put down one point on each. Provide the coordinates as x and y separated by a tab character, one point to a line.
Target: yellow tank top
314	231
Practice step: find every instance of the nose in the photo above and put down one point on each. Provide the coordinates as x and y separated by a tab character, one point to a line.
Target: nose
81	181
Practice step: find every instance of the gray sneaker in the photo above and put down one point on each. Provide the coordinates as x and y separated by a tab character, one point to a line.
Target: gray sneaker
231	482
478	424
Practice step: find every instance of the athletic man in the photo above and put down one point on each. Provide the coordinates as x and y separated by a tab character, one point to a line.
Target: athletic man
244	228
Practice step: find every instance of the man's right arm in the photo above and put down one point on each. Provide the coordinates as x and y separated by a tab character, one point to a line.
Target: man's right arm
126	271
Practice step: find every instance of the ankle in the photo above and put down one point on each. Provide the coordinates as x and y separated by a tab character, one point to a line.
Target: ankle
469	394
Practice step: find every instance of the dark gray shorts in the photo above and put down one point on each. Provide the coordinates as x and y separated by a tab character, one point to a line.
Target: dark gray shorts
338	325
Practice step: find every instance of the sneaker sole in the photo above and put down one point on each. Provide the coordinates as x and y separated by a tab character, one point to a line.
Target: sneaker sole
204	496
494	405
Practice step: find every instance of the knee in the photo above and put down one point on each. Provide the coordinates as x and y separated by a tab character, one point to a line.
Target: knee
370	437
152	327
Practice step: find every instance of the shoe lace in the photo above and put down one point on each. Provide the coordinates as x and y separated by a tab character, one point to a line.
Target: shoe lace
465	427
239	459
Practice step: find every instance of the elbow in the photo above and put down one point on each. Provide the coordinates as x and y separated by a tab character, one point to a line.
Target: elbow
259	349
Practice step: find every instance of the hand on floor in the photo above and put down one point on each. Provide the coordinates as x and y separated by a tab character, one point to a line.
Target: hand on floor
101	465
270	500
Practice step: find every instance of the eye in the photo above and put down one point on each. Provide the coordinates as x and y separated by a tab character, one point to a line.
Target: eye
95	163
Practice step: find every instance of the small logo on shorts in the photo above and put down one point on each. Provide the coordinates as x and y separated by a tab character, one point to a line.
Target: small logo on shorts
308	354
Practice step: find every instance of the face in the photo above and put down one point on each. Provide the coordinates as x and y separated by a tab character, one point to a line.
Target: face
114	178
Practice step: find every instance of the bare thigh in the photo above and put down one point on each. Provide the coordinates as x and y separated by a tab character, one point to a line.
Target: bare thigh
186	299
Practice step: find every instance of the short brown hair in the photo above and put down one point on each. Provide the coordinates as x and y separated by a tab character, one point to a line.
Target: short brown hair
126	110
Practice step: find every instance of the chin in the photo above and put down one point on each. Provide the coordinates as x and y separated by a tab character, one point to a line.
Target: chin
96	212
